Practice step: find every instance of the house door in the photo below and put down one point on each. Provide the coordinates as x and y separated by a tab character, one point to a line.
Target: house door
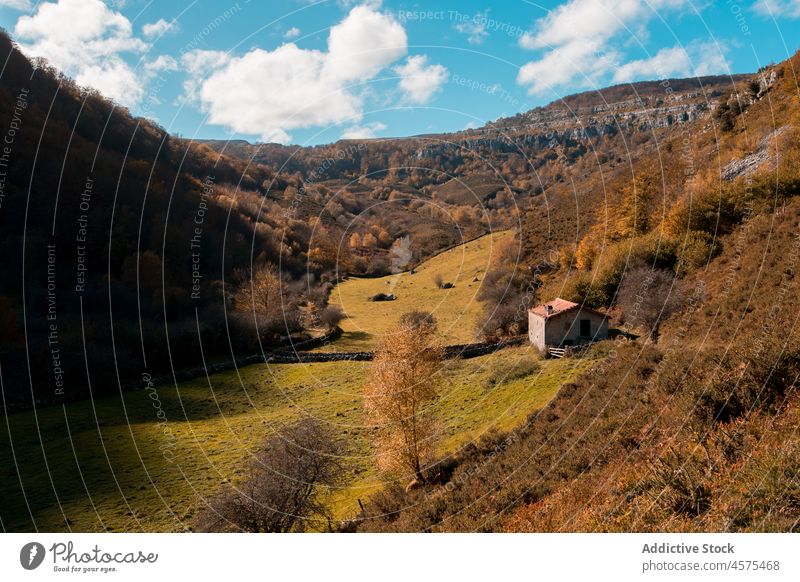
586	329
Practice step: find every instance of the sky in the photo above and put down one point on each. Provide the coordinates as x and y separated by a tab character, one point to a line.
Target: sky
311	72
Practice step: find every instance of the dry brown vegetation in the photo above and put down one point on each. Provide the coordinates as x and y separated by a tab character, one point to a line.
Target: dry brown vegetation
285	485
400	387
697	432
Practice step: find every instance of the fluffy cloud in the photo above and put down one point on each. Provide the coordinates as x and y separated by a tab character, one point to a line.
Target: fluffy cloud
17	4
293	32
84	38
696	59
162	63
367	131
575	40
778	8
420	81
158	28
269	93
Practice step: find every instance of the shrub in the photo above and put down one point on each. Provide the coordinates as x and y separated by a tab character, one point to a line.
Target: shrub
696	249
648	296
331	316
284	484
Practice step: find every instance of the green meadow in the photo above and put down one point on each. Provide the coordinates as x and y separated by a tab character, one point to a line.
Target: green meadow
148	460
132	463
457	309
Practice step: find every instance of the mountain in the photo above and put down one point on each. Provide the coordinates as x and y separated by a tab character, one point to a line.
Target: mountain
672	206
103	207
688	424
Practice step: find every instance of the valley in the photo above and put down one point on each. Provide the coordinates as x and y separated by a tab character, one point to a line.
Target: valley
669	207
148	460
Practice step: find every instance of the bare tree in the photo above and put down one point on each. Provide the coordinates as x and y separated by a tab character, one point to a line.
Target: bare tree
401	384
284	484
647	296
438	280
331	316
264	296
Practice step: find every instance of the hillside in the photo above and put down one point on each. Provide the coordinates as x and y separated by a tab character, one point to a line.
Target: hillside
694	429
130	254
126	470
457	309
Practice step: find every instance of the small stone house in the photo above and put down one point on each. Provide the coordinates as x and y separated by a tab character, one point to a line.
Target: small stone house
561	323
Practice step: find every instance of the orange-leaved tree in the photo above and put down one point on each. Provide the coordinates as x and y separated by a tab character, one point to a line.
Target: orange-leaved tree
400	388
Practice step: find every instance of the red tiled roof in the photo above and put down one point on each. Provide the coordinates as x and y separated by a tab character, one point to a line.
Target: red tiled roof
559	305
553	307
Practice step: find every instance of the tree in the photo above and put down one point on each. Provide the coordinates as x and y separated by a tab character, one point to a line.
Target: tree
633	214
506	291
647	296
331	316
400	385
369	240
265	295
284	484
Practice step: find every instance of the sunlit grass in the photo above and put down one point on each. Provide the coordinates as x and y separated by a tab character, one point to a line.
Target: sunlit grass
209	434
457	310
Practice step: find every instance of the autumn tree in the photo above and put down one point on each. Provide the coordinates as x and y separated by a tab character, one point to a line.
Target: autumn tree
400	387
331	316
633	217
506	292
284	486
264	294
369	240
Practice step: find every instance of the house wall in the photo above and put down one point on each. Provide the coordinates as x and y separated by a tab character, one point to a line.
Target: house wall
566	327
536	329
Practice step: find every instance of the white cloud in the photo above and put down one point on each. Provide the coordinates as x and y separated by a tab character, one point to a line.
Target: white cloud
293	32
778	8
158	28
84	39
475	28
17	4
197	63
576	41
420	81
363	131
162	63
269	93
697	59
363	44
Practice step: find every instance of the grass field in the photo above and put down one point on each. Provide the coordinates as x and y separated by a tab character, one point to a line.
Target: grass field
147	460
132	463
457	309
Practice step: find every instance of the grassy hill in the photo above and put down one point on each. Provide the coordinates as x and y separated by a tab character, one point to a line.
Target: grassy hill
694	430
140	464
146	460
456	309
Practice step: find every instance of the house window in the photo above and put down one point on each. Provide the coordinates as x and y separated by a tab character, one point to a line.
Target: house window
586	329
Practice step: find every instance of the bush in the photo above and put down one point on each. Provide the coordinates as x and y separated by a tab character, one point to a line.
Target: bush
284	484
696	250
331	316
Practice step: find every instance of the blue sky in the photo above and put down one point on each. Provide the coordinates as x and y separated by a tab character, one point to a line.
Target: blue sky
303	72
